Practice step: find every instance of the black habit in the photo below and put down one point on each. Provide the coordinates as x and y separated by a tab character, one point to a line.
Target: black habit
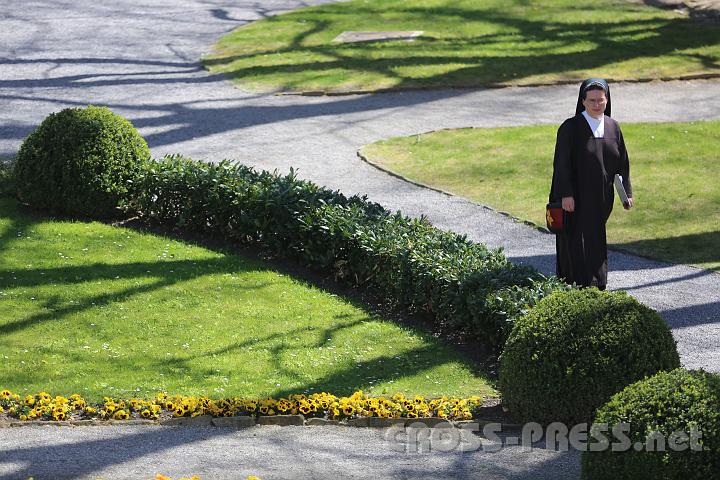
584	168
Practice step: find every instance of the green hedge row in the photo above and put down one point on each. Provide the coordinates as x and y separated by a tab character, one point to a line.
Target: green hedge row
464	284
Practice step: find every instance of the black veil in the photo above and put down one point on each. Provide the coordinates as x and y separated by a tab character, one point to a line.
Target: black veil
590	82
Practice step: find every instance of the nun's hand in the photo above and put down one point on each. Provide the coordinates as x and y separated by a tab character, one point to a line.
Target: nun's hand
629	204
568	204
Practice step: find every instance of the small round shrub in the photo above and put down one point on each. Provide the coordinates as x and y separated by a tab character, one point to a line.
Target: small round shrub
81	162
680	407
575	349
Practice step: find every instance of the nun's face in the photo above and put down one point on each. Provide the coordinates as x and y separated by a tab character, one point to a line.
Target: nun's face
595	102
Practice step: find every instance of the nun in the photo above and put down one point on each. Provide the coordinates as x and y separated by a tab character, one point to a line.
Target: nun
589	151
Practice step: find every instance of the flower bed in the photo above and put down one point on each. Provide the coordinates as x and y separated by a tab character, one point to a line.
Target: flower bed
45	407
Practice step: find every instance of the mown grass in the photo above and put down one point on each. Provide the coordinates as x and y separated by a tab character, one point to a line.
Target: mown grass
465	43
99	310
673	169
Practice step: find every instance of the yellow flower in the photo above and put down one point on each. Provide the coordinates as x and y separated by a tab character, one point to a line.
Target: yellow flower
162	477
58	415
121	415
6	394
23	417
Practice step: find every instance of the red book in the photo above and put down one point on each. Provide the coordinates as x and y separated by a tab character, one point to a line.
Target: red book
557	219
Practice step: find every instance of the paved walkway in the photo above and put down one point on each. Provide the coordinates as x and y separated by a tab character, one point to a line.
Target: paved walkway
142	62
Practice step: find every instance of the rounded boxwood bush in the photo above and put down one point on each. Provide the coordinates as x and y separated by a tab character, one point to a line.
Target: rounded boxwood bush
680	407
80	161
575	349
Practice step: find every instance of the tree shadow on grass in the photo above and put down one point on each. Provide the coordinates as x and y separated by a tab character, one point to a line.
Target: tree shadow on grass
607	44
152	276
166	273
351	375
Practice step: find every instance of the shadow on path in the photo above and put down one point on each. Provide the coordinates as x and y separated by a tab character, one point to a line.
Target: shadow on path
99	454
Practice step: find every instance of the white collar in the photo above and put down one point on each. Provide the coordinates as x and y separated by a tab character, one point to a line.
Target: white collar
597	125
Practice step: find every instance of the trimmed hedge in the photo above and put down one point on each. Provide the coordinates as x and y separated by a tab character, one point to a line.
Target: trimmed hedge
403	260
80	161
669	403
575	349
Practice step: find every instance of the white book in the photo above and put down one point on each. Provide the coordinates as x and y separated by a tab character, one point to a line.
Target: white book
620	189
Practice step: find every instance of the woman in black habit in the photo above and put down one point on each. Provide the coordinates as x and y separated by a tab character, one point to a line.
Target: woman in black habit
589	151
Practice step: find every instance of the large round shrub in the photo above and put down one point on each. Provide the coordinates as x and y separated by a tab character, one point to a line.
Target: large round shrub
575	349
80	161
665	412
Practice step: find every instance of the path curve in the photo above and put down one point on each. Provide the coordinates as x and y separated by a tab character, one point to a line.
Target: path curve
143	62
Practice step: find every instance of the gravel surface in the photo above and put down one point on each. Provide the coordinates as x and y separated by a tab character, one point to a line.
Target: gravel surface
142	61
269	452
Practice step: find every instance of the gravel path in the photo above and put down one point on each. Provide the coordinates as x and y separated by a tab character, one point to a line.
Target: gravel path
268	452
142	61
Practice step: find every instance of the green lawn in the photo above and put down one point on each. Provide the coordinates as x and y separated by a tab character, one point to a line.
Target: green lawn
466	43
674	169
98	310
